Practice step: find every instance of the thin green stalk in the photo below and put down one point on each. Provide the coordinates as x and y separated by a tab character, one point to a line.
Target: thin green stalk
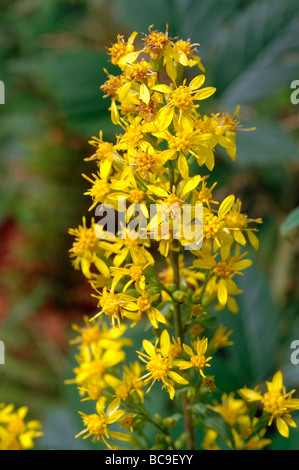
188	418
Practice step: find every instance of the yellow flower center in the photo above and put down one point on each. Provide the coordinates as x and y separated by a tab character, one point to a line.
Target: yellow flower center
172	200
146	110
209	382
136	272
16	427
175	350
86	241
145	162
222	270
127	421
99	190
158	367
185	47
94	391
179	142
181	98
139	71
198	361
211	225
235	220
109	303
155	43
205	195
120	49
246	431
90	335
96	425
112	85
131	242
137	196
274	403
122	392
144	304
132	136
96	368
127	107
104	149
196	311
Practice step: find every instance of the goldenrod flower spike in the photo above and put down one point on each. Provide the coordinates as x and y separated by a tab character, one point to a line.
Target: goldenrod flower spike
144	268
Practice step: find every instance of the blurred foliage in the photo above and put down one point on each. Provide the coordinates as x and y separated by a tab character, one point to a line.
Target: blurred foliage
52	56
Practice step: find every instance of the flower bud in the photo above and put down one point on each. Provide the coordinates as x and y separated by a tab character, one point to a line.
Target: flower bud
191	392
179	296
169	422
158	418
172	288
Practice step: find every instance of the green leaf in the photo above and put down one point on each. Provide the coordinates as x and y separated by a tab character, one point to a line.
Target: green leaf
267	146
252	357
291	222
257	53
72	80
210	419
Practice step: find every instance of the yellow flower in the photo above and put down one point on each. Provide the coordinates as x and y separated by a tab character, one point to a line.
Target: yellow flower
94	366
198	359
86	250
132	374
159	364
209	440
148	162
214	226
246	438
222	271
131	382
175	348
97	424
104	150
205	195
98	332
276	402
187	50
110	304
132	137
222	130
135	272
15	432
155	42
134	308
121	48
127	244
127	421
100	189
237	222
221	338
181	103
230	408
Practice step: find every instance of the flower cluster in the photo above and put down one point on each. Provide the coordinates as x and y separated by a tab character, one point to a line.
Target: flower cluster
157	270
15	432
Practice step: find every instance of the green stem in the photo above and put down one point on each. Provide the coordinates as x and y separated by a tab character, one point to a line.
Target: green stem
188	418
148	418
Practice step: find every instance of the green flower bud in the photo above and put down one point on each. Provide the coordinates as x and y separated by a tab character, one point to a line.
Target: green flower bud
169	422
172	288
191	392
160	438
158	418
179	296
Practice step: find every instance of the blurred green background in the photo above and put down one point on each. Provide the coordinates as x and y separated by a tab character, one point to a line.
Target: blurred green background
52	55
